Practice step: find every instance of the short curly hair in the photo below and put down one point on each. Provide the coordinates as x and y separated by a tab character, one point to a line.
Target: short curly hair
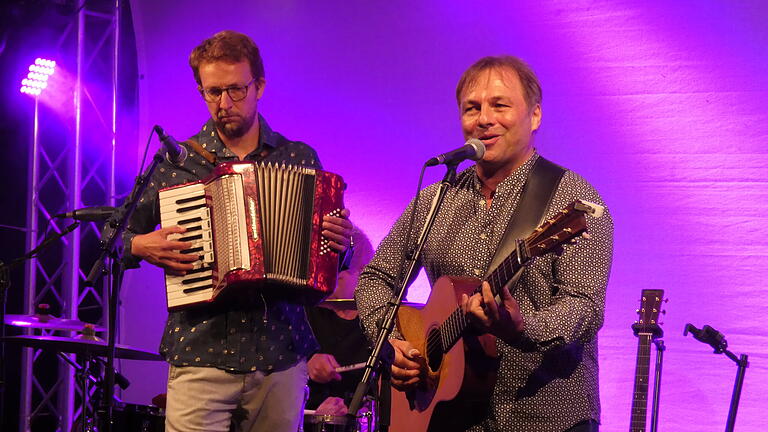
531	85
230	47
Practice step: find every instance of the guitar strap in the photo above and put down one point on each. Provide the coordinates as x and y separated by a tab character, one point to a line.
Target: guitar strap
539	188
210	157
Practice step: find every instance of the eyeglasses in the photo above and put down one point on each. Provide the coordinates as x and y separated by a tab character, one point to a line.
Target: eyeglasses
236	93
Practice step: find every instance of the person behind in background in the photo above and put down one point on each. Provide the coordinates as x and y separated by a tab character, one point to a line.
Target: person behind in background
342	341
233	365
547	332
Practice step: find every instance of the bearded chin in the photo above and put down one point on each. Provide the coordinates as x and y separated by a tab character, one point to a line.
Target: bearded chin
235	129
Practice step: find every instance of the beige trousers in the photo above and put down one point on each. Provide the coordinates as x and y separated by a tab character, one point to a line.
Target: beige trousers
207	399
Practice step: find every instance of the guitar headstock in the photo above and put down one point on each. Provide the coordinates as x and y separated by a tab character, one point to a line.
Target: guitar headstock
648	315
568	225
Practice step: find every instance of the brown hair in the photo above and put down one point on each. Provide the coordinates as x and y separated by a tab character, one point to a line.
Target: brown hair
227	46
531	85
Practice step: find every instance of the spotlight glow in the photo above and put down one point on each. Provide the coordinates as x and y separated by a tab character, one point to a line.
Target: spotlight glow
37	78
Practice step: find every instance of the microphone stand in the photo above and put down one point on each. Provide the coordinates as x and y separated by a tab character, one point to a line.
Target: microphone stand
381	348
716	340
113	230
5	285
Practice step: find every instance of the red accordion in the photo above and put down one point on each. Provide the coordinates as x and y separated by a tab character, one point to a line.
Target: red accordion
254	226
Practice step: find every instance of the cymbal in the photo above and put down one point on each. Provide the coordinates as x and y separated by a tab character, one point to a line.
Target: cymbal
96	348
48	322
348	304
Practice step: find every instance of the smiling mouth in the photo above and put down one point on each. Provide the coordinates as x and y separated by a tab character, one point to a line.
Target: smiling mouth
489	139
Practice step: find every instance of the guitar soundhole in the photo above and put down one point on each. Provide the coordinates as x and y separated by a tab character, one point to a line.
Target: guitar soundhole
434	349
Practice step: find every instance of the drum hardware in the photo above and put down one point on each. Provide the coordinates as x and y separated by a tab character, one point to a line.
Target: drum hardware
42	320
91	348
349	304
94	348
364	421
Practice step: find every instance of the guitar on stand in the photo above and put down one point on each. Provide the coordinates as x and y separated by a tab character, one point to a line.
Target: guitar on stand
459	365
647	329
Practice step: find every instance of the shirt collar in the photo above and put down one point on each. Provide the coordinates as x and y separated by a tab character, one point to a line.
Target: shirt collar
518	176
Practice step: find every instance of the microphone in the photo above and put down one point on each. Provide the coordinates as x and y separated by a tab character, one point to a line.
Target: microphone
174	152
474	149
89	214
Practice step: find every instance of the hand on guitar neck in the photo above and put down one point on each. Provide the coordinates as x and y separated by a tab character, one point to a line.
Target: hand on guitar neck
500	318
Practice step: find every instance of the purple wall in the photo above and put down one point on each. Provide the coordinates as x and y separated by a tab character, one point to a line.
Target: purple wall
664	107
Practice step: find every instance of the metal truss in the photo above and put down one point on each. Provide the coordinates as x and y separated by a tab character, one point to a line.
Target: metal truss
71	165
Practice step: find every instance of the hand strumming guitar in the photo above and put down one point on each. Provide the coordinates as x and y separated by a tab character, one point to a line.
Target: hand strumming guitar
405	369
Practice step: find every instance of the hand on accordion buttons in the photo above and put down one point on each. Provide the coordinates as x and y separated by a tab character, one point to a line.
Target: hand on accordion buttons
155	248
322	368
338	230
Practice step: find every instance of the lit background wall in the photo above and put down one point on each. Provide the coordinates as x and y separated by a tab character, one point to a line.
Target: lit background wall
663	106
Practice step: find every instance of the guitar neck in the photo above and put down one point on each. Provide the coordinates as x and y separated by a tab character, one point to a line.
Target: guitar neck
640	394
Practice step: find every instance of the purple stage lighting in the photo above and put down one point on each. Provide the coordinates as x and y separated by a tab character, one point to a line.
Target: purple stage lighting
37	78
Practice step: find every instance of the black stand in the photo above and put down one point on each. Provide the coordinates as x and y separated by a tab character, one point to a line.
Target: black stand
388	324
113	230
716	340
660	348
5	284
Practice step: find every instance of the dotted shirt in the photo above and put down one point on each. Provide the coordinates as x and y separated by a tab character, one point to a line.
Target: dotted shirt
548	381
255	333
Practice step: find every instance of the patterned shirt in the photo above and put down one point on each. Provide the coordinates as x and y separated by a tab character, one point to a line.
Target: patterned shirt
548	380
256	333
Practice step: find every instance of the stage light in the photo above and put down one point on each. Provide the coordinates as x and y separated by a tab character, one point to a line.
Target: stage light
37	78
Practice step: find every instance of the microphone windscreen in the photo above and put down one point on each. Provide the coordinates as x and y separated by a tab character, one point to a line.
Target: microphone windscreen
479	148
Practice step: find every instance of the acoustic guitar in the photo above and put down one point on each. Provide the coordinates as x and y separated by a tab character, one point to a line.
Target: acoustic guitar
459	364
646	329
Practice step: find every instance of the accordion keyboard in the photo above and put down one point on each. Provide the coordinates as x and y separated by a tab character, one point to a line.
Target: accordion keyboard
185	206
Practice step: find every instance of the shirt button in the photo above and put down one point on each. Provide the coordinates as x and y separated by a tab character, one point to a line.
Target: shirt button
478	272
483	236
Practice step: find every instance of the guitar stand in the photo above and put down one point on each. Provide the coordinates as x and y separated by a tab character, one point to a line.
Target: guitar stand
660	348
717	341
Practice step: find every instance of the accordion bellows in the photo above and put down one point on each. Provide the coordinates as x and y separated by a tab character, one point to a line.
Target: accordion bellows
255	227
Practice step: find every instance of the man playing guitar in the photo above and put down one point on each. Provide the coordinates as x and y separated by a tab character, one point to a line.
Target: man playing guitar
546	329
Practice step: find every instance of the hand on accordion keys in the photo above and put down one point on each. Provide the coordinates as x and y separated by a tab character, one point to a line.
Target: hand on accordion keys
339	231
155	248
